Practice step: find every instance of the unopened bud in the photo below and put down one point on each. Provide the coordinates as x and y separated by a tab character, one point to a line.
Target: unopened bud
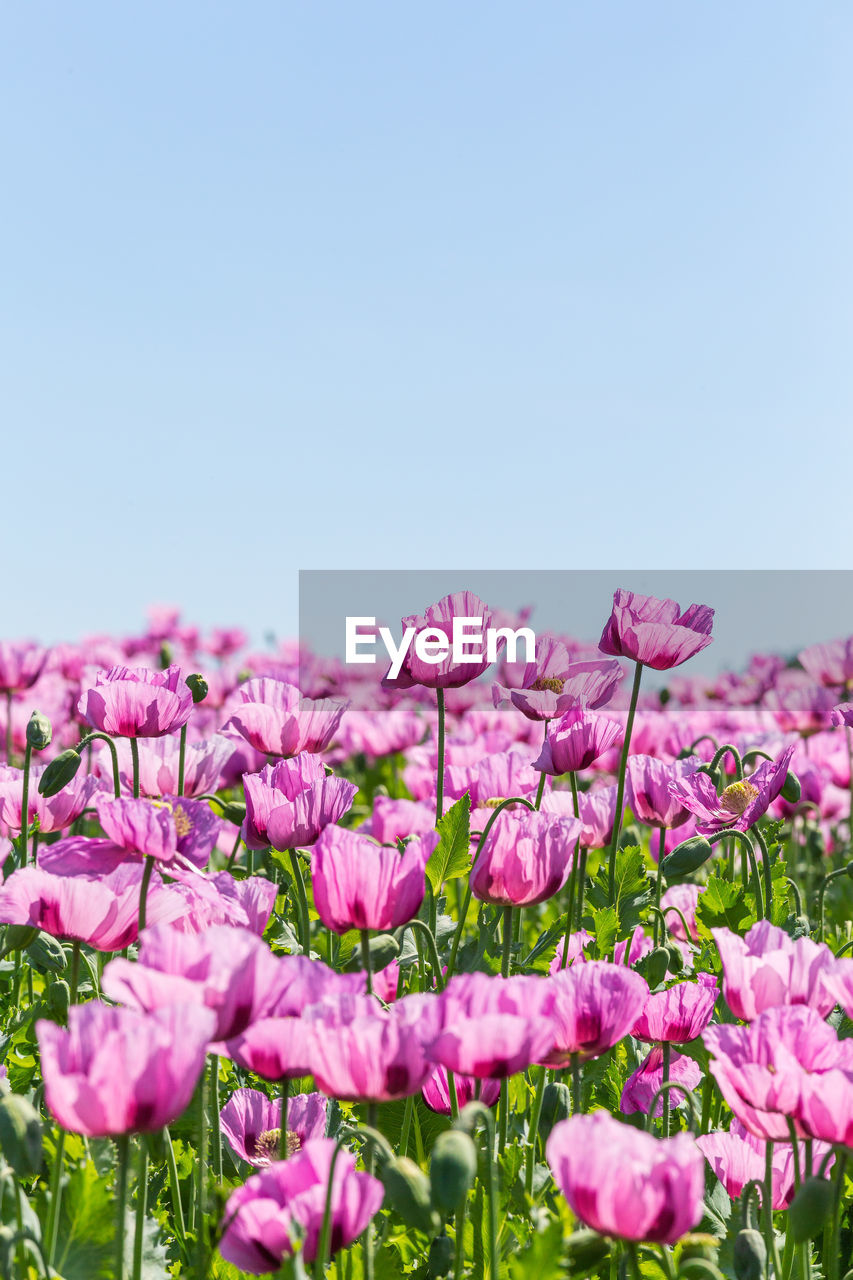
687	857
749	1255
20	1134
441	1257
59	772
408	1192
556	1106
791	790
39	731
452	1169
810	1208
197	686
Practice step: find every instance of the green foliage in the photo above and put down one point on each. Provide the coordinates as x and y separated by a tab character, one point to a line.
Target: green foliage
632	893
450	857
722	905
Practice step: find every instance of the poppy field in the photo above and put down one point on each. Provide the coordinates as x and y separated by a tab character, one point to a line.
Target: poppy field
485	969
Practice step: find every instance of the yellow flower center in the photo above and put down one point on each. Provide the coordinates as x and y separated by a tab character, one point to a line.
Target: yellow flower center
183	824
549	684
491	803
269	1141
738	796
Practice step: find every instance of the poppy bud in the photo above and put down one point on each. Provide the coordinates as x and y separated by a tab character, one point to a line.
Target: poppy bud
20	1134
687	857
409	1193
39	731
440	1260
556	1106
676	959
46	954
452	1169
234	811
383	948
810	1208
59	772
58	999
749	1255
198	687
657	966
699	1244
791	790
18	936
849	869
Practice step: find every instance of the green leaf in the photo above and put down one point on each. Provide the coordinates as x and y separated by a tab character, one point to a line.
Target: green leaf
605	927
87	1225
722	905
542	1259
632	889
450	858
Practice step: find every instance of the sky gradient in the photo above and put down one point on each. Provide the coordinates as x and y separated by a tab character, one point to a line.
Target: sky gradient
293	286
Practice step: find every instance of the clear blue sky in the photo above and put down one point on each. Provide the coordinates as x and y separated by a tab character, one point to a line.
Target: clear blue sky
383	285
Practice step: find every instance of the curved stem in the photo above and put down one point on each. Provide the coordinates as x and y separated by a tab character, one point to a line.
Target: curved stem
750	852
822	888
422	928
104	737
143	889
666	1088
724	750
768	874
540	790
481	1114
620	786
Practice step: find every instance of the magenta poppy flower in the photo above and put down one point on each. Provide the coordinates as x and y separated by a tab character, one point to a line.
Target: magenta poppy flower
372	735
272	717
445	673
626	1183
741	803
53	813
526	859
597	813
276	1046
361	885
576	741
831	664
20	665
360	1052
204	762
655	632
678	1014
116	1071
738	1157
102	912
642	1085
842	715
228	970
578	943
166	829
648	793
252	1124
220	899
133	702
553	684
767	968
494	1027
595	1005
804	709
435	1091
764	1070
289	803
394	820
265	1217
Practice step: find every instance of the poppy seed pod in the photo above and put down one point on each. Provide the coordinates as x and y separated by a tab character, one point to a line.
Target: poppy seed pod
440	1260
556	1106
810	1208
198	687
750	1254
791	789
408	1193
20	1134
39	731
687	857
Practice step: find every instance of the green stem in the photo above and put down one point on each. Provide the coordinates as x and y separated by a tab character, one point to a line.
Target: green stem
370	1164
575	1067
658	879
533	1130
540	790
506	960
633	1259
407	1123
481	1115
143	888
302	899
620	786
175	1190
25	805
182	754
121	1201
667	1057
52	1228
215	1130
822	888
584	854
768	874
326	1230
104	737
285	1098
200	1172
439	780
141	1206
230	863
420	927
134	759
750	853
721	753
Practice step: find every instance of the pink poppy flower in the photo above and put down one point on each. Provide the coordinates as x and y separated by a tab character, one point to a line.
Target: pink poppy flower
578	943
686	898
741	803
252	1124
394	820
597	812
494	1027
360	1052
163	829
655	632
102	912
594	1006
272	718
361	885
767	968
842	715
116	1071
526	859
133	702
804	709
445	674
648	793
831	664
626	1183
678	1014
20	665
264	1218
764	1069
435	1091
228	970
220	899
642	1085
577	740
738	1157
204	762
553	684
289	803
53	814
